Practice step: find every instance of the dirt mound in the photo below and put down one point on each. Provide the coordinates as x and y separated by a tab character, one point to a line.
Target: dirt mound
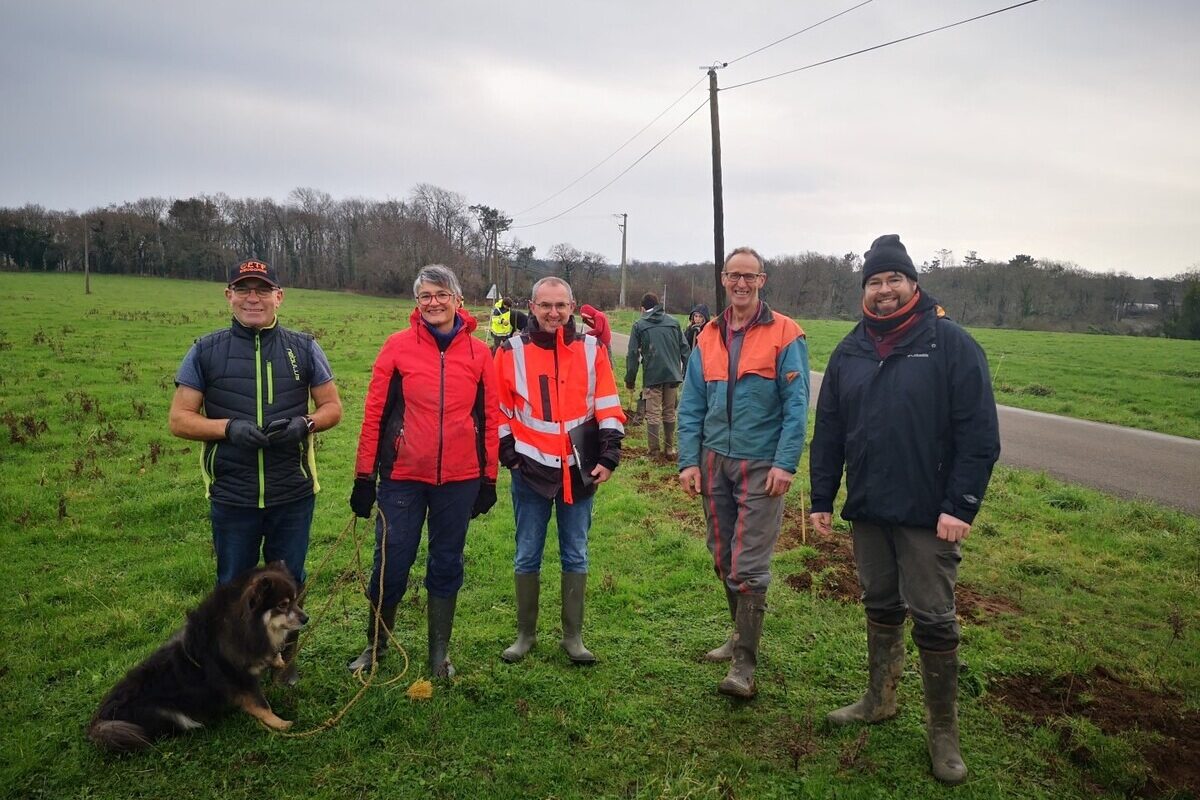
1115	707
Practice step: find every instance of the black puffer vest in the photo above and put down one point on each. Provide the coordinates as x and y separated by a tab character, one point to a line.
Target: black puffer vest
261	376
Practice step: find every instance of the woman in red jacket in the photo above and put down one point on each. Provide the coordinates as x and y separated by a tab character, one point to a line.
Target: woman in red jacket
429	439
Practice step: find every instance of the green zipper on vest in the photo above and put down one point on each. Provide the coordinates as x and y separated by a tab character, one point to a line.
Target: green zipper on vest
258	402
270	385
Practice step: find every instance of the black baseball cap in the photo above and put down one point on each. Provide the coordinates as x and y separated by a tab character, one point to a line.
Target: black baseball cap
253	268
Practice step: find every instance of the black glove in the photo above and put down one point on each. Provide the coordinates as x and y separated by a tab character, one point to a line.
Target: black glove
244	433
485	499
288	431
631	386
363	497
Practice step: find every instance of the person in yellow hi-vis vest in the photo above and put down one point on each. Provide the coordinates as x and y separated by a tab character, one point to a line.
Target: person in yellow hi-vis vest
505	321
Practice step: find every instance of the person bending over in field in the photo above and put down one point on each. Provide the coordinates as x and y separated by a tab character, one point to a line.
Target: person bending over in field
906	406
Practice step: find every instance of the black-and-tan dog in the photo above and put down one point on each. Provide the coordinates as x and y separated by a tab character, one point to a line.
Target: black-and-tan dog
213	663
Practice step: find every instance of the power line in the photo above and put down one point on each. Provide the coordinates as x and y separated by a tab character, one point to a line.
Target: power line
614	152
619	175
797	33
879	46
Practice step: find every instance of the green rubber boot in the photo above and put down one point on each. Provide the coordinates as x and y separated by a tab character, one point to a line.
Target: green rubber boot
739	681
885	664
376	644
725	651
574	586
441	622
939	673
528	587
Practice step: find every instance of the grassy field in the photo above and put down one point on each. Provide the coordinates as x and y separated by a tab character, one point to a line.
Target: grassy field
1139	382
1081	628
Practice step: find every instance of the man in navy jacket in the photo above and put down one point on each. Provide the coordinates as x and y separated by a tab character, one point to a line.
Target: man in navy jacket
906	407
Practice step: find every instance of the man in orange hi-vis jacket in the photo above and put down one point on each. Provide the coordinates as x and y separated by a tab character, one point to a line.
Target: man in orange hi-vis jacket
553	380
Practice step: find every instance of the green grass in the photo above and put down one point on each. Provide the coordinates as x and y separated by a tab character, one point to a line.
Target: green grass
106	544
1136	381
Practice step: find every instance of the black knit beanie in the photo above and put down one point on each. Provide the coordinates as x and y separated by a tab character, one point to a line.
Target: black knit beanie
887	254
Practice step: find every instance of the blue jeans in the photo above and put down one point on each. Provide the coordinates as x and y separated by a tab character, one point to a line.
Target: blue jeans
532	513
405	507
280	532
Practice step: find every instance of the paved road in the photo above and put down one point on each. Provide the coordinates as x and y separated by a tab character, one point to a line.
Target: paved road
1123	461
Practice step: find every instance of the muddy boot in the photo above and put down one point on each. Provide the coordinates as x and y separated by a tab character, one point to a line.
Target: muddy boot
653	431
668	442
441	621
885	663
939	673
528	587
574	586
739	681
725	651
377	637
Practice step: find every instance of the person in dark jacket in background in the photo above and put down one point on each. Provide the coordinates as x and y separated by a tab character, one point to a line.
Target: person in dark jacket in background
244	392
657	343
429	439
696	320
906	407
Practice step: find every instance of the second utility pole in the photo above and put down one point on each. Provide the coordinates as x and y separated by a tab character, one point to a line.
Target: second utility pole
624	235
718	198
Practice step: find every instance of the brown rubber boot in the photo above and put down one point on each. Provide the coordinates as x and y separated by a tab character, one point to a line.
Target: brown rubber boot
377	637
725	651
939	673
885	664
739	681
653	433
669	450
574	586
528	588
440	612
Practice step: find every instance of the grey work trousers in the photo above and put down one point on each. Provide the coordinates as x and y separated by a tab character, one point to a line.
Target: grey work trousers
909	570
743	521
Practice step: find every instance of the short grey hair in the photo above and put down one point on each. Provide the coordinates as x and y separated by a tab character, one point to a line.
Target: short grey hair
551	279
438	275
737	251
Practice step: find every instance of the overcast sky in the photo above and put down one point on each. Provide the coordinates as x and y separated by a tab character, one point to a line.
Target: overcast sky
1066	129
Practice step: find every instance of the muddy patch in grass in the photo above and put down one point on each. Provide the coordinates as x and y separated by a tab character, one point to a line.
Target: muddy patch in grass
1115	707
977	607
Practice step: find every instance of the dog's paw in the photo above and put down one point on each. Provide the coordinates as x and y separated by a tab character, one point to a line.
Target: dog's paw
279	663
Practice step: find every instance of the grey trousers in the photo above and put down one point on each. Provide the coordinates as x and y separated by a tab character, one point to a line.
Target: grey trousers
743	522
909	570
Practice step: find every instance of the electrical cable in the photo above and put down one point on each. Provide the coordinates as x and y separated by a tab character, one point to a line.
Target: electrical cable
797	33
878	46
620	175
614	152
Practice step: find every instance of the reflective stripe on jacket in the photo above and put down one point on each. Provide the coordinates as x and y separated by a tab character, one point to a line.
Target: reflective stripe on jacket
430	415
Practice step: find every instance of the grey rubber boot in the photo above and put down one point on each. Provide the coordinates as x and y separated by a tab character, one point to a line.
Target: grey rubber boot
939	673
885	664
725	651
669	440
376	647
574	586
739	681
441	622
528	587
653	433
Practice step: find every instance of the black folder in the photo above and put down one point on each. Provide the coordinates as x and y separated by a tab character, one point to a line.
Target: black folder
585	445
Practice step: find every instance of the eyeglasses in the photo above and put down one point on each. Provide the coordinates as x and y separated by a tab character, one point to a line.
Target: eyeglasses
739	277
425	298
548	307
258	291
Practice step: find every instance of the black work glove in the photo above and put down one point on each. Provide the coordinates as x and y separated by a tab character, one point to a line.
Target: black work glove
485	499
287	431
631	386
363	497
244	433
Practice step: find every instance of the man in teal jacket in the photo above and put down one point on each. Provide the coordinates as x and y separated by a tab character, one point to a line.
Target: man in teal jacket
741	433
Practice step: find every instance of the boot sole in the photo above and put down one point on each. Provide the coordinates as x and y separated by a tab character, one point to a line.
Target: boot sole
738	692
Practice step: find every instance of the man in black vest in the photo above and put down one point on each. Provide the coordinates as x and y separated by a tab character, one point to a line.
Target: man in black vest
243	391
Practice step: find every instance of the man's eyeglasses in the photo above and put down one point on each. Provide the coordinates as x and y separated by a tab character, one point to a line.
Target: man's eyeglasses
738	277
425	298
258	291
546	308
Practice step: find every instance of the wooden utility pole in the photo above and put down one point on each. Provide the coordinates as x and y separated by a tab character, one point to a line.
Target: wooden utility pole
624	237
718	198
87	275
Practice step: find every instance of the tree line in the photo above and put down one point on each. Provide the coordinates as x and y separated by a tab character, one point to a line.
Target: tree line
377	247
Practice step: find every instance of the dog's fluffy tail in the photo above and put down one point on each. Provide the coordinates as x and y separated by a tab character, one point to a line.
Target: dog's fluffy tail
118	736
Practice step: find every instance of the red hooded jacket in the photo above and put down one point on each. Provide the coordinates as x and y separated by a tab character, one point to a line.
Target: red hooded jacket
430	416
